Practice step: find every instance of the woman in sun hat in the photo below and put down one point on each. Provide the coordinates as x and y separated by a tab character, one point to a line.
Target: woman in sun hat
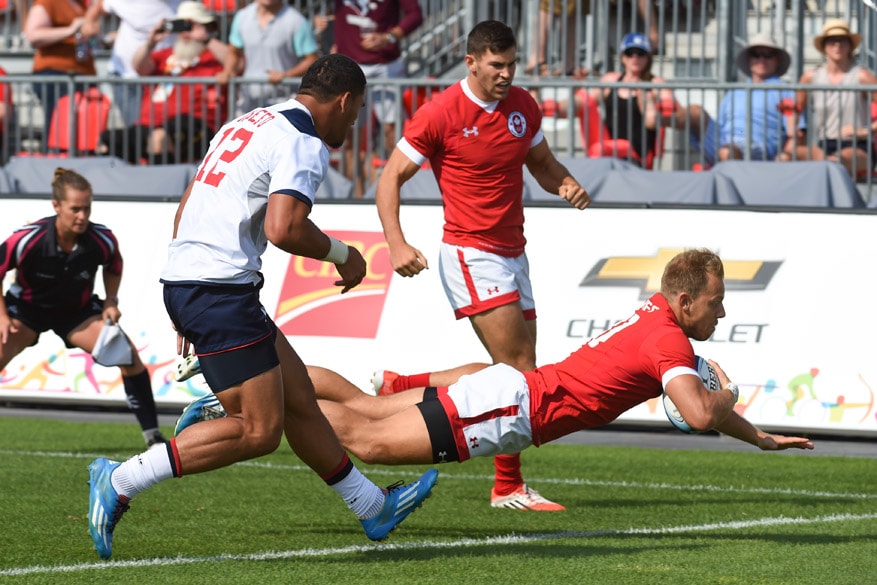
840	121
749	120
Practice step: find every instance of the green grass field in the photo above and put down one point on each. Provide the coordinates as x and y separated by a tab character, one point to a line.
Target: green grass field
635	515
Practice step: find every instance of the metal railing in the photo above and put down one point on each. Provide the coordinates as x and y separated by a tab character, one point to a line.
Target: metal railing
569	123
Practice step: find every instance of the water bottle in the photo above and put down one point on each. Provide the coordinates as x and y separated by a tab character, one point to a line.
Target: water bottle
82	50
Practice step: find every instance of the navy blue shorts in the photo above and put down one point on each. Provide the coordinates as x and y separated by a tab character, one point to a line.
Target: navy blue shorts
830	146
61	321
229	328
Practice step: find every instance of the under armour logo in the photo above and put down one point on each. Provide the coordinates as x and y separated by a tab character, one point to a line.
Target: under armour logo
473	131
473	442
493	291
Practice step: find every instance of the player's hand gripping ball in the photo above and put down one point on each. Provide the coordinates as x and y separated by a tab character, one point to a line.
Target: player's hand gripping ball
710	380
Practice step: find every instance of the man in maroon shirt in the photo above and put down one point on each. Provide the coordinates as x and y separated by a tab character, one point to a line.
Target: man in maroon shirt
369	32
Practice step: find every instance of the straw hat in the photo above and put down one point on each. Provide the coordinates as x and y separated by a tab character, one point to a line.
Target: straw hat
766	41
836	27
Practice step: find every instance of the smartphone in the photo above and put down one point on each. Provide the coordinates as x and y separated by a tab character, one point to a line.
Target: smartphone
177	25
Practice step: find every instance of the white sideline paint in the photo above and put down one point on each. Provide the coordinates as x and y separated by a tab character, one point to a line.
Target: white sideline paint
436	545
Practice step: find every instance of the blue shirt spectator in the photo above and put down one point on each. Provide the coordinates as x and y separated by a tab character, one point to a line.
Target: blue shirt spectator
756	112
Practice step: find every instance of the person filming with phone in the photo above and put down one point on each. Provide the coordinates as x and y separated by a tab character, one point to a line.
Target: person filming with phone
177	119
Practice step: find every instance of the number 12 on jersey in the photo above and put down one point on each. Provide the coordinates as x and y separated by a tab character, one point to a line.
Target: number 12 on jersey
231	145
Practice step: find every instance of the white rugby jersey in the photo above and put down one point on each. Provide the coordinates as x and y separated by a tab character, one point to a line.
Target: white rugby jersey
221	234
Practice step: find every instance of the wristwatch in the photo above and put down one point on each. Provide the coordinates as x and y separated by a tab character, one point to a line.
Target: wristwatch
392	38
734	390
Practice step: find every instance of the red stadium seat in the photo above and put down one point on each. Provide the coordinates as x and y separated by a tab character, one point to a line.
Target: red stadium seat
221	6
597	142
92	109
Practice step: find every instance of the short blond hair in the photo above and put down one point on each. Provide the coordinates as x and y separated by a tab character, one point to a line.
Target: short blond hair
689	272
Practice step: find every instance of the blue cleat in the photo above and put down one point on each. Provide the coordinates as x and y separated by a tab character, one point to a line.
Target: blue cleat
207	407
401	501
105	506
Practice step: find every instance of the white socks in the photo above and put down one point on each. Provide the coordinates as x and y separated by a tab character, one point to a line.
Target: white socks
142	471
360	494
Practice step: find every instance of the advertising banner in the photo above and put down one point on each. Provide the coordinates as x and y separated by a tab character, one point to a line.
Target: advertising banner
795	338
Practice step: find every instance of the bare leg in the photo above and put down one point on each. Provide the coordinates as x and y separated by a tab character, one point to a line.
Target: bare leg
253	426
397	440
650	16
849	155
16	342
307	431
332	387
448	377
507	337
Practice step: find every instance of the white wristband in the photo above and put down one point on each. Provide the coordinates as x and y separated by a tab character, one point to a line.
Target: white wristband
338	252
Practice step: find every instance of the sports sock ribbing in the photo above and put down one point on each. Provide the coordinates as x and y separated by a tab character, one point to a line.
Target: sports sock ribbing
508	476
360	494
408	382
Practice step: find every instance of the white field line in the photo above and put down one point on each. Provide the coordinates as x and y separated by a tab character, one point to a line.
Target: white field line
435	545
534	480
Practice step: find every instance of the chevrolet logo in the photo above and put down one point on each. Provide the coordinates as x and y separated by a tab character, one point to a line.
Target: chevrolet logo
645	272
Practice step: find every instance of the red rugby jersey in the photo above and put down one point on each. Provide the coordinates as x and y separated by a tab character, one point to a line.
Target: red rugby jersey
477	153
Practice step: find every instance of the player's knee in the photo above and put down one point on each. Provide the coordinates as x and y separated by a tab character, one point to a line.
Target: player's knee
371	451
262	440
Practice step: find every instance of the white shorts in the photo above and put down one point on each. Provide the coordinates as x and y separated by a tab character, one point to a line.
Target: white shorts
476	281
489	412
383	97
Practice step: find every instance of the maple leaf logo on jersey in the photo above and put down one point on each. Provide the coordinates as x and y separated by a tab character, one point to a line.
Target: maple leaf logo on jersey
311	304
517	124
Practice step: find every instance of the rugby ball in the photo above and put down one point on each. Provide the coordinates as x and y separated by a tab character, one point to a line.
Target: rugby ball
710	381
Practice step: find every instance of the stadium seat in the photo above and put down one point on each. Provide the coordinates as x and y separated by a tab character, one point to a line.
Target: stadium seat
221	6
598	143
92	110
91	113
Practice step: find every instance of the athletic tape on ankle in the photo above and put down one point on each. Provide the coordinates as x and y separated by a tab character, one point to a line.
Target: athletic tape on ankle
338	252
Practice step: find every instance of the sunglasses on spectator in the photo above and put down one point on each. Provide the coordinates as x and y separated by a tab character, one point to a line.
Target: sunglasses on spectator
757	54
634	52
838	40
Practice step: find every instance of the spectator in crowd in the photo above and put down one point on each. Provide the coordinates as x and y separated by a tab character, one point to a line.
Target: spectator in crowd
630	125
56	260
758	112
370	33
630	116
53	28
477	135
177	120
269	38
136	19
841	123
